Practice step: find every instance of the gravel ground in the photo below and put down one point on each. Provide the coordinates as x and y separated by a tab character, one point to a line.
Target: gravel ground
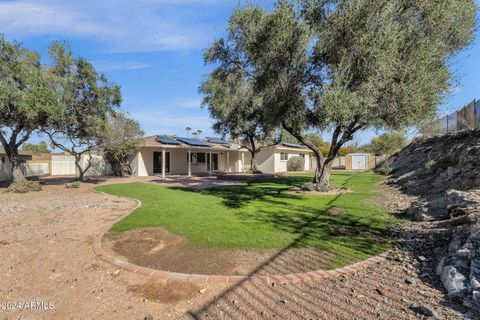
46	255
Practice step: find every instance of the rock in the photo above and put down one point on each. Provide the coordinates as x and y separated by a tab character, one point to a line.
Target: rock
410	281
203	290
476	300
284	301
453	281
148	317
463	253
427	310
383	292
116	272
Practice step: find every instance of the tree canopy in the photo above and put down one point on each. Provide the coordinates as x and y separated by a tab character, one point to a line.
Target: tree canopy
27	99
41	147
87	99
346	65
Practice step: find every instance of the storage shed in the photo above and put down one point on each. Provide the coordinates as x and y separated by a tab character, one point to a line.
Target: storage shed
360	161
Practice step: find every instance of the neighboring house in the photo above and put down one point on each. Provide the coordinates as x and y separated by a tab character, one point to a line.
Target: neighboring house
5	165
162	155
360	161
274	159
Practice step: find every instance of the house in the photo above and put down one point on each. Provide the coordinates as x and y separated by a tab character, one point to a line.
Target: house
360	161
274	159
5	166
162	155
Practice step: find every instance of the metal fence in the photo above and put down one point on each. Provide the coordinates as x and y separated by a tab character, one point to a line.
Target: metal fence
467	118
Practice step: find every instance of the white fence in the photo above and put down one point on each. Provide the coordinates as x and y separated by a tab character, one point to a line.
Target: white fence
65	165
28	169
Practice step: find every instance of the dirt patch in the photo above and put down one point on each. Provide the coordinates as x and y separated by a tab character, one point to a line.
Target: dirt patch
158	249
333	192
165	292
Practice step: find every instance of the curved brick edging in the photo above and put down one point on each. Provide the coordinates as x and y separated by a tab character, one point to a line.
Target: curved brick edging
175	276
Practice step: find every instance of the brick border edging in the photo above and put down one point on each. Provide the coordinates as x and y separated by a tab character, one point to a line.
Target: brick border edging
175	276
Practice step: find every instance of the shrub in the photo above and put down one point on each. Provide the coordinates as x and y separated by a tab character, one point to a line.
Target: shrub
75	184
24	186
296	164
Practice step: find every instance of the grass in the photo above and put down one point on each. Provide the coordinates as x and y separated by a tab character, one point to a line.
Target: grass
265	215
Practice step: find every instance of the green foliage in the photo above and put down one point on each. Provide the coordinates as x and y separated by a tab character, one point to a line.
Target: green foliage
387	144
73	185
87	99
346	64
42	147
24	186
296	164
27	98
121	140
266	215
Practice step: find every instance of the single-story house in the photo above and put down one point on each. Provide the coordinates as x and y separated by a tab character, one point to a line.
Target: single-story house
360	161
274	159
5	165
162	155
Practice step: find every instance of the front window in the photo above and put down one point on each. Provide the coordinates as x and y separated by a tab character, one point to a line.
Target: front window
302	155
283	156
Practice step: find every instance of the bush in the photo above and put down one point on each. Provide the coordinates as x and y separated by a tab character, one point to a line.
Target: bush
296	164
24	186
75	184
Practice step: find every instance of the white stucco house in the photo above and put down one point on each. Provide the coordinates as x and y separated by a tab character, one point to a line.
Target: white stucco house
171	155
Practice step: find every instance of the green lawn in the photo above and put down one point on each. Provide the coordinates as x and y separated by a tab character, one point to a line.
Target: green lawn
265	215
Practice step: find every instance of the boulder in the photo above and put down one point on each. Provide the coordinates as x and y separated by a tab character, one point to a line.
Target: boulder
454	281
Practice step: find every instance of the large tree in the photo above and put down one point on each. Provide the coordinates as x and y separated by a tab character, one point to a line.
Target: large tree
346	65
230	99
87	99
27	99
121	140
41	147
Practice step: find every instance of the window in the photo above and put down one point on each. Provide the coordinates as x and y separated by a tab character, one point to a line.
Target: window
302	155
201	157
283	156
197	157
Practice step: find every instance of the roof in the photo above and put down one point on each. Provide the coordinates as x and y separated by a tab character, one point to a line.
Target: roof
182	143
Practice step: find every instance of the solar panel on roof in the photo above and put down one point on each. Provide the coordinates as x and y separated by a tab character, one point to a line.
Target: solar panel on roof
292	145
167	140
216	140
194	142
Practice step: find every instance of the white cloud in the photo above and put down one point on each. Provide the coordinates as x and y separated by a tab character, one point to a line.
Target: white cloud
121	26
105	66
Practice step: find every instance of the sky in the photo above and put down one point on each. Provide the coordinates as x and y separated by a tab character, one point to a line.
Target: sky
153	49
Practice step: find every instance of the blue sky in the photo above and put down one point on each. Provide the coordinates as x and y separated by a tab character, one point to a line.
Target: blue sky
153	50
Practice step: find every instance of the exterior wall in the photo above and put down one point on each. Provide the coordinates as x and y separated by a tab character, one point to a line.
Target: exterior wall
5	167
281	165
348	162
265	160
371	162
178	161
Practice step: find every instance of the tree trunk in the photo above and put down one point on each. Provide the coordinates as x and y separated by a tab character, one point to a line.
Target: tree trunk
325	172
253	162
81	172
16	173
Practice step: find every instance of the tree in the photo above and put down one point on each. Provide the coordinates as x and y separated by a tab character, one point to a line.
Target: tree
347	65
121	140
42	147
27	99
387	144
199	132
228	95
188	129
87	99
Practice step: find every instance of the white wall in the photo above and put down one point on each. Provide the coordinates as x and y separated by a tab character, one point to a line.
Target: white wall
178	161
65	165
281	165
265	160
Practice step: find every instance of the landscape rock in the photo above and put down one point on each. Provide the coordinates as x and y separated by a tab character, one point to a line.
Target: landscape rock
454	281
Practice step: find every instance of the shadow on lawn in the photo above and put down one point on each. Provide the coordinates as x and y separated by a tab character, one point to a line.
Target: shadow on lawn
248	300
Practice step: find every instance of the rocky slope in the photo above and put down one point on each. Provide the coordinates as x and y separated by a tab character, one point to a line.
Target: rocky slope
444	174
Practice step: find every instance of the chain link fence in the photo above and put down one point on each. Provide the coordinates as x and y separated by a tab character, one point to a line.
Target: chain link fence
467	118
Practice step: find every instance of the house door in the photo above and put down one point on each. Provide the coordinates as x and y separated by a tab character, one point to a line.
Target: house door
214	162
157	162
359	163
